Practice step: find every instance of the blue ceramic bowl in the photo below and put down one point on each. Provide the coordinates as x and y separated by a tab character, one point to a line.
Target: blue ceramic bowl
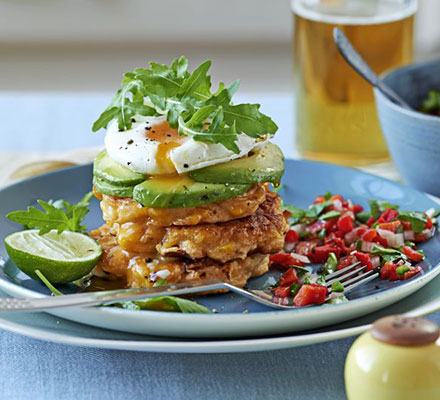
413	137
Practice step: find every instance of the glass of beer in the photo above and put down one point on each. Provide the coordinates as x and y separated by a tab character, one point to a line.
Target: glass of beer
335	115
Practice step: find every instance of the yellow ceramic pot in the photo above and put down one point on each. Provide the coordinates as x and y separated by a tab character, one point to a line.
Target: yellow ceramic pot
383	366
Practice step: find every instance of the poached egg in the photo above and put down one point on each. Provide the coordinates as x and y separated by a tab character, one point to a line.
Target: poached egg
152	147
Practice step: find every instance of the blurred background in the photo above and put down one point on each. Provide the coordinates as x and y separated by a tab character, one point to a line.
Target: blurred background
85	45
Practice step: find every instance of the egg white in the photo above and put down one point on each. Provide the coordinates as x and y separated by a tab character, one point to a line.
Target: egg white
134	150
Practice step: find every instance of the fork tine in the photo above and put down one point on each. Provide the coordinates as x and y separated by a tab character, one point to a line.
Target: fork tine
367	278
345	276
357	281
342	271
356	278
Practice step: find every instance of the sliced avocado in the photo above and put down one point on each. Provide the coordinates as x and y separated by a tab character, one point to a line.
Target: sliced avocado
262	165
109	170
181	191
104	187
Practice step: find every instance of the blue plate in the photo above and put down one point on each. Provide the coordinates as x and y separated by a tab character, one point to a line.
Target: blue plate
237	316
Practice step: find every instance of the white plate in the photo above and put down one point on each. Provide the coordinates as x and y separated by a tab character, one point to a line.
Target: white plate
50	328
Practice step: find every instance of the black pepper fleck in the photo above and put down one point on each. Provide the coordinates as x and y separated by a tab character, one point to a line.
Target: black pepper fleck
130	141
205	197
185	166
133	120
148	128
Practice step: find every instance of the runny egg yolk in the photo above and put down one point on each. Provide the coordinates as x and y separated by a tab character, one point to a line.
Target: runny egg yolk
168	139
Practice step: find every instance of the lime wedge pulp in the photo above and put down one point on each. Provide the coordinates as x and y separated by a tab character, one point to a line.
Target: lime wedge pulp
62	258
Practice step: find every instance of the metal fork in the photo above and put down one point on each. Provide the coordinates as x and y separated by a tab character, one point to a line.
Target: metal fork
350	277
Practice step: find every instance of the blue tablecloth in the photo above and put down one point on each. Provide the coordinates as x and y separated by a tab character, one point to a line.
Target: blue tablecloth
32	369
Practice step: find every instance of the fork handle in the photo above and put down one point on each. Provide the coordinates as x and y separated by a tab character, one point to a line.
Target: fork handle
107	297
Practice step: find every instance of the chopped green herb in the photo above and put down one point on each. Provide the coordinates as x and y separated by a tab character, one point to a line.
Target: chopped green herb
359	245
307	280
338	300
379	250
316	209
304	234
362	217
378	207
436	213
410	244
321	233
161	282
331	265
327	195
294	289
417	219
431	105
300	271
330	214
320	280
402	269
337	287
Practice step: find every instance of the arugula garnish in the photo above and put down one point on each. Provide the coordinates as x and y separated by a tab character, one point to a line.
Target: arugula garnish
417	219
188	103
59	215
164	303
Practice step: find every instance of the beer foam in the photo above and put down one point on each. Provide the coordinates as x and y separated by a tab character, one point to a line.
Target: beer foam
368	13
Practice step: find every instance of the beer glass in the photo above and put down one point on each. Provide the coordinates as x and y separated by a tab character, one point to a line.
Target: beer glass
335	115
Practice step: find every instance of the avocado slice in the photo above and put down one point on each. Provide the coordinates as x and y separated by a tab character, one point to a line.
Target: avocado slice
262	165
104	187
109	170
181	191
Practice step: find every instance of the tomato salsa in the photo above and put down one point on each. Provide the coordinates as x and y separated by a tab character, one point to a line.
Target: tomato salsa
336	233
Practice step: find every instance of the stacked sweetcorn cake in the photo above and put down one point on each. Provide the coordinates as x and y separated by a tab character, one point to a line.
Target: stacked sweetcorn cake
175	229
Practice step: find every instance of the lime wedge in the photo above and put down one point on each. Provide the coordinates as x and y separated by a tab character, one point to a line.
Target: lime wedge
61	258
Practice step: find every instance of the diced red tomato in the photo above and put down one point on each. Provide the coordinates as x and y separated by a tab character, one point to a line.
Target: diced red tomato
305	248
336	197
346	261
292	236
364	259
330	224
370	235
315	227
319	199
388	215
282	291
289	277
284	260
370	222
412	271
339	242
390	226
310	294
319	254
345	223
388	271
382	241
412	254
421	237
429	223
357	208
406	225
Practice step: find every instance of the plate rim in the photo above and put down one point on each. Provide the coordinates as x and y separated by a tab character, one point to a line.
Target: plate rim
203	346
